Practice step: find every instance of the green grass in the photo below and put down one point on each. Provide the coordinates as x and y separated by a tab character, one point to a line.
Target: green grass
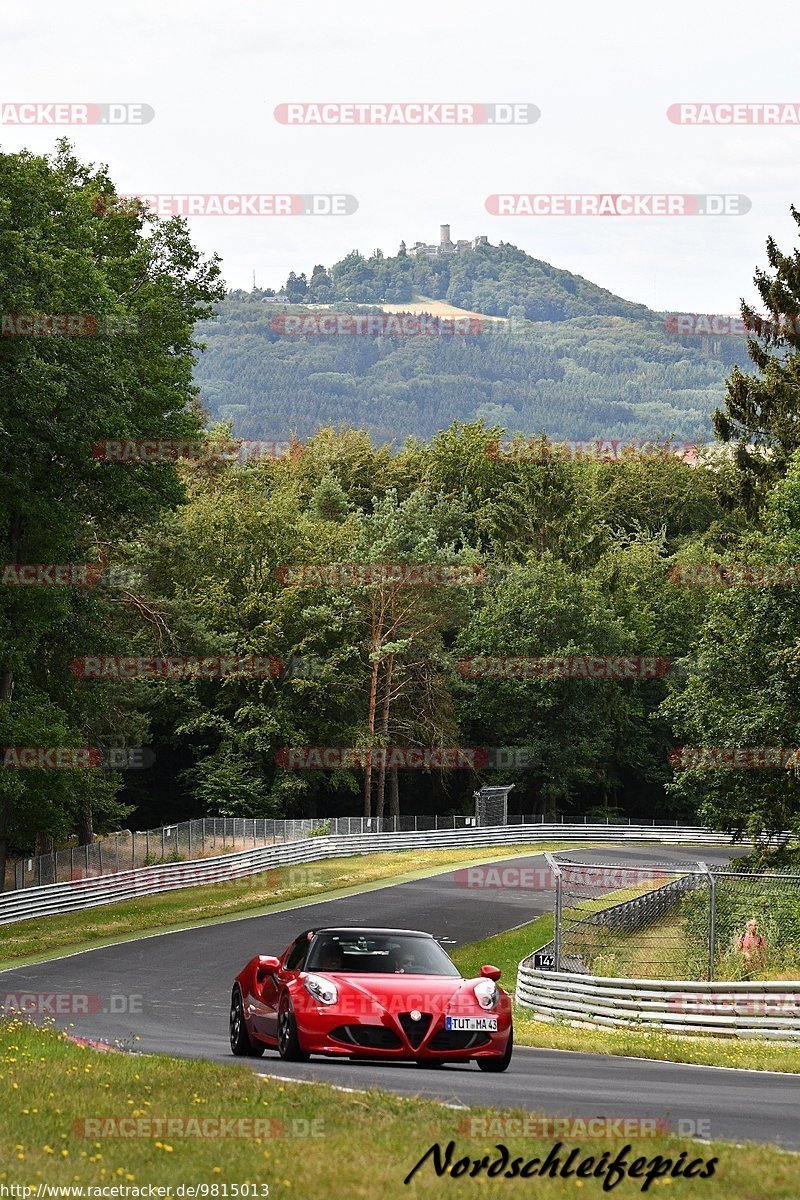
269	891
320	1142
507	949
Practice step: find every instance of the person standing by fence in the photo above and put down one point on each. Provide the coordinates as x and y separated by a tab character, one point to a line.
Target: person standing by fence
752	947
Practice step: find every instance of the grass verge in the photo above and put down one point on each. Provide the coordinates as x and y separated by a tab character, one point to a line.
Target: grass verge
269	890
313	1141
507	949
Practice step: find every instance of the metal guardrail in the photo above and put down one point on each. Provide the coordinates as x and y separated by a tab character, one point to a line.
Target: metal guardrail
209	836
144	881
631	915
762	1010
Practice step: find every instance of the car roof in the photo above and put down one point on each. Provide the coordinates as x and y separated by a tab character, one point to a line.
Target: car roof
350	930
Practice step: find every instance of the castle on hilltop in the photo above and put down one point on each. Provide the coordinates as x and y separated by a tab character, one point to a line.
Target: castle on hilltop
420	250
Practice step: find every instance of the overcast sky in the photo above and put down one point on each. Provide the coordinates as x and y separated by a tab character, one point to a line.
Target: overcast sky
603	77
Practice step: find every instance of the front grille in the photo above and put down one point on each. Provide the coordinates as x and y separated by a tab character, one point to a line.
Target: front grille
457	1039
415	1030
370	1037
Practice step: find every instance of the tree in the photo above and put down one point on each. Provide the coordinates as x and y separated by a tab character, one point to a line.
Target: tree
762	412
404	623
140	282
576	734
744	691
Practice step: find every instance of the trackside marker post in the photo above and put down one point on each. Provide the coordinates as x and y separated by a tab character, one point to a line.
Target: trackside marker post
556	869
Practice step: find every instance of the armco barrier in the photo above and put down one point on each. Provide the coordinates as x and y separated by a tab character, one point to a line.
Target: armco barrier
146	881
207	837
765	1010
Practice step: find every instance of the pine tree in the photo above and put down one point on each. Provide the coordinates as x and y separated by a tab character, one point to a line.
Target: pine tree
762	412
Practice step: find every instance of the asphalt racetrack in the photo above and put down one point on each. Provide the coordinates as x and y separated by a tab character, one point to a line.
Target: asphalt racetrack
173	990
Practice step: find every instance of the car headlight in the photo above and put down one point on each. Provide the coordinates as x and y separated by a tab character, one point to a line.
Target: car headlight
486	993
321	989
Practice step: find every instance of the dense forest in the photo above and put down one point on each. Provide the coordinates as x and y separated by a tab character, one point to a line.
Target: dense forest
335	566
559	355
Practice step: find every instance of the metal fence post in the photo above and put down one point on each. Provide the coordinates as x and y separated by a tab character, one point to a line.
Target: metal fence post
556	869
712	919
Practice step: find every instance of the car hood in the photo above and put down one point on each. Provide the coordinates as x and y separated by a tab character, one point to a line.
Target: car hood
376	994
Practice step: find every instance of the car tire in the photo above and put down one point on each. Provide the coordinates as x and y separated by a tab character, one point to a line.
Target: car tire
500	1062
241	1044
289	1046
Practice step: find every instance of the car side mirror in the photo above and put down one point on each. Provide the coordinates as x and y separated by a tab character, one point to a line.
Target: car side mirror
267	965
491	973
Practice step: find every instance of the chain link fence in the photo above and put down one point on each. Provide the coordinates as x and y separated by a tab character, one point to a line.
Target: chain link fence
202	838
662	921
210	836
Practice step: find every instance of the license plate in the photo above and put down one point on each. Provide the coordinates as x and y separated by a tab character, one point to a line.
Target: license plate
473	1024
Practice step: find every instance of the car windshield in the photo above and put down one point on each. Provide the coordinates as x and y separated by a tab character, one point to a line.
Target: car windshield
379	953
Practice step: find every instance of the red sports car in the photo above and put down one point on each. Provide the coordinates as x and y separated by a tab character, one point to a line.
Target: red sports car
387	994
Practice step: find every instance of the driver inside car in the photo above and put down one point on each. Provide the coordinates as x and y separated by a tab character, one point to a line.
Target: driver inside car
332	958
406	965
